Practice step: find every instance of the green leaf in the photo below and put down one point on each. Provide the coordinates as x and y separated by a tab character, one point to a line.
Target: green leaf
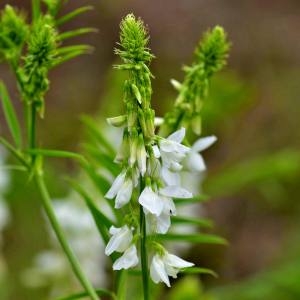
73	14
196	270
73	33
95	130
100	292
57	153
103	159
10	115
203	222
71	53
16	153
201	238
196	199
103	223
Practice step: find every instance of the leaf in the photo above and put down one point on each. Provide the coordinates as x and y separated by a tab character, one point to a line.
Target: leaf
100	292
203	222
71	54
201	238
103	160
95	130
57	153
74	48
103	223
73	33
10	115
196	270
196	199
71	15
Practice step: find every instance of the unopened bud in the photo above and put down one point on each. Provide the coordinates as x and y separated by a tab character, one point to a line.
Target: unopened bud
117	121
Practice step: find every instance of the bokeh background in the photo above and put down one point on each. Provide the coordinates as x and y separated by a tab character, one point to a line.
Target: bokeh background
253	171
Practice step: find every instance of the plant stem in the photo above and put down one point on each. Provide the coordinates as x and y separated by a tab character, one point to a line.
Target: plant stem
46	201
36	9
144	256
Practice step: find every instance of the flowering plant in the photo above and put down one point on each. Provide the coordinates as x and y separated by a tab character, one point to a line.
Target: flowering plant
153	156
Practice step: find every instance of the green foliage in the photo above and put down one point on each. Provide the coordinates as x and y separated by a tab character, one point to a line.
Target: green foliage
13	33
10	115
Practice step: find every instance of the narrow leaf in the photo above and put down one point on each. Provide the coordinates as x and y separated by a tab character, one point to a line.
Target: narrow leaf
196	270
74	48
73	14
103	223
103	159
196	199
90	124
203	222
10	115
73	33
193	238
100	292
57	153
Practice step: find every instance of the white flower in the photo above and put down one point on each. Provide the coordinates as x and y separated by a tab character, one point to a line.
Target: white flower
120	240
159	206
172	153
151	201
166	265
128	260
173	147
194	161
158	271
163	221
142	157
173	264
124	194
121	189
174	191
115	187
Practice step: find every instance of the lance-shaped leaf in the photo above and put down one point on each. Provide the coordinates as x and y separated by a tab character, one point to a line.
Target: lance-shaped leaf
202	222
73	14
201	238
10	115
83	295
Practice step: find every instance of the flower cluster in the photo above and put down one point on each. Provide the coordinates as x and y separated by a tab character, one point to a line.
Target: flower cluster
151	165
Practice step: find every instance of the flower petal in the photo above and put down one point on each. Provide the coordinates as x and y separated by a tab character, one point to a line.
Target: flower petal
151	201
170	178
174	191
177	136
195	162
176	262
128	260
163	223
158	272
124	194
119	241
118	182
204	143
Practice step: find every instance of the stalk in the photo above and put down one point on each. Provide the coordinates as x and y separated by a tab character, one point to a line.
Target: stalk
144	254
46	201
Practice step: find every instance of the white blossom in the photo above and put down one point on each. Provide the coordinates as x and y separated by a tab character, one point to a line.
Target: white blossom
151	201
120	240
194	160
166	265
121	189
128	260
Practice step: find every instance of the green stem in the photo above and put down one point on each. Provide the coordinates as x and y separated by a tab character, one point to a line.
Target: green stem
46	201
36	9
144	255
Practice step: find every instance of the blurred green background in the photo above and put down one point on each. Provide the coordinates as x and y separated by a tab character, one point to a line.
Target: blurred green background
253	171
